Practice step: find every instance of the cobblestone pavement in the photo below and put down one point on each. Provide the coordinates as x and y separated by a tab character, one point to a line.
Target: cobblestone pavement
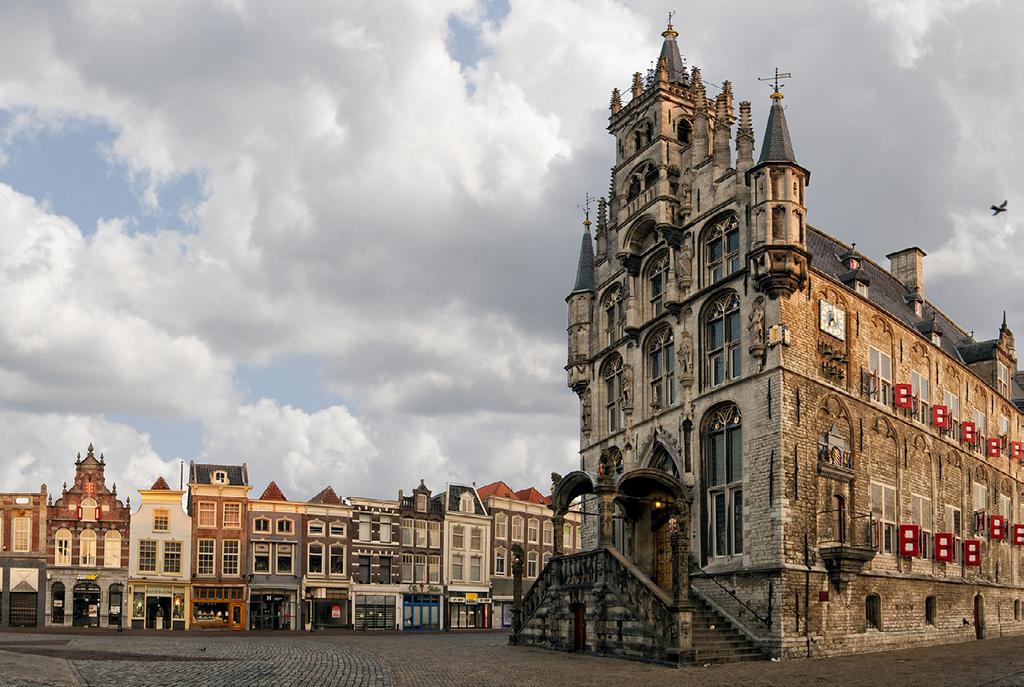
436	660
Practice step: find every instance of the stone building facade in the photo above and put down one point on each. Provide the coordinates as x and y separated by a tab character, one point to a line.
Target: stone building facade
159	574
422	520
326	583
375	563
23	558
521	517
218	502
88	533
778	436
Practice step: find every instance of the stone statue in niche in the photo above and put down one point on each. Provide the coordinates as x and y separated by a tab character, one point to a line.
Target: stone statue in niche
627	386
684	355
684	265
585	412
755	327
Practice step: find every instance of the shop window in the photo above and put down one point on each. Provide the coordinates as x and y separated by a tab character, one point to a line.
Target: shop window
929	610
873	611
57	603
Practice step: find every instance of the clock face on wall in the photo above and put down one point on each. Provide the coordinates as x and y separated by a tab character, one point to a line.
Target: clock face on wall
832	319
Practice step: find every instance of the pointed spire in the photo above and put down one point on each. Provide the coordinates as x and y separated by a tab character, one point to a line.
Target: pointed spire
777	146
585	267
638	84
1003	326
616	101
662	71
676	68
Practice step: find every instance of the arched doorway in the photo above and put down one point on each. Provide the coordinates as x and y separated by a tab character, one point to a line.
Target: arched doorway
979	616
85	605
579	627
647	497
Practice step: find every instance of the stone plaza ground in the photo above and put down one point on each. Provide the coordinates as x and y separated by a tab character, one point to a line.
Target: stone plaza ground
447	660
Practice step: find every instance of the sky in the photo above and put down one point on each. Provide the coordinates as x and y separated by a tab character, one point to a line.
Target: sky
333	240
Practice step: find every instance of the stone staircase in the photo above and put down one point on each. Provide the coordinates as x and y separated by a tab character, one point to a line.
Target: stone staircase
715	640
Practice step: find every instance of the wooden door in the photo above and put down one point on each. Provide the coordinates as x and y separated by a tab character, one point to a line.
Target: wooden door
579	633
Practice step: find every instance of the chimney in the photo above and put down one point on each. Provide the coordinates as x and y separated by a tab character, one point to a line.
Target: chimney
907	265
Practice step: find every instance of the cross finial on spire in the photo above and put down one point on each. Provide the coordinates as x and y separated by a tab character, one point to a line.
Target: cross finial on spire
775	79
670	31
587	198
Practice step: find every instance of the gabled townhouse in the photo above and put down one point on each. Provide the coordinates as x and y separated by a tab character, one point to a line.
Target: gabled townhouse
160	548
375	568
422	520
23	558
326	583
218	498
467	543
273	573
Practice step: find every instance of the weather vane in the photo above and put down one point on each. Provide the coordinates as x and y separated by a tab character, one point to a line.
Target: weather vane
586	207
671	12
777	94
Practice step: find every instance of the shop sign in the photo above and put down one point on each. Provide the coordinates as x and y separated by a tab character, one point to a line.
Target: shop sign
23	500
159	591
335	612
89	578
58	603
471	596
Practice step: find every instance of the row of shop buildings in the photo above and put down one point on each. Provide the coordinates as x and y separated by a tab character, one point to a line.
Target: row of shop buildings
212	556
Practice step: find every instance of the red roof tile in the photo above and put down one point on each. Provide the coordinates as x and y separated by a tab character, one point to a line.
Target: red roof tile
532	495
160	483
498	488
272	493
327	497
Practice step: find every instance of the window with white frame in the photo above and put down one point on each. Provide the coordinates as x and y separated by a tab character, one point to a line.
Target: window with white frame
955	525
952	401
385	530
979	496
336	559
161	520
883	510
205	556
1003	379
500	560
261	558
285	526
285	555
220	477
315	528
457	566
880	368
922	396
112	549
315	558
407	531
548	530
567	536
434	530
336	529
62	547
533	531
1004	427
421	503
434	569
421	533
517	528
981	424
661	362
172	557
232	515
261	525
421	567
921	514
22	534
466	503
147	556
458	537
501	526
229	559
407	565
364	527
531	564
87	548
476	538
475	568
207	513
1004	506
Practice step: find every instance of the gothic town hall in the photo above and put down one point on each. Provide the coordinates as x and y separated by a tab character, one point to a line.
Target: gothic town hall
786	449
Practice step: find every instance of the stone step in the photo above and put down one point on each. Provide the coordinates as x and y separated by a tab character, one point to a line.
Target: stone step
716	642
736	658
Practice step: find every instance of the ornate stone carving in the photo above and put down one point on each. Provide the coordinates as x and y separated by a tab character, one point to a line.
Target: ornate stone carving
627	387
684	357
684	265
585	412
755	328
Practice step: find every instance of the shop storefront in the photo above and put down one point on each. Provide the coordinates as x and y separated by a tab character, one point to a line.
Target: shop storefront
469	610
376	612
22	596
272	609
421	612
221	607
158	607
85	605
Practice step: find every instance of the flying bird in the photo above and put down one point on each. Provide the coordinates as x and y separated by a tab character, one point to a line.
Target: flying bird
996	209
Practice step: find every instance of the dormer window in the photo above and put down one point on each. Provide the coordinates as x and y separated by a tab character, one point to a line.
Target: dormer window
220	477
918	308
854	264
421	503
861	288
466	503
937	338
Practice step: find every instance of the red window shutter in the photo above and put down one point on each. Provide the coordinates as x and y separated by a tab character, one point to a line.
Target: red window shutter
1016	450
972	552
969	432
1018	534
993	448
997	527
78	512
940	417
909	540
904	396
944	543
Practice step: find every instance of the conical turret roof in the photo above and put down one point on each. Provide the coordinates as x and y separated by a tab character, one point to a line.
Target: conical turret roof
585	266
777	146
674	60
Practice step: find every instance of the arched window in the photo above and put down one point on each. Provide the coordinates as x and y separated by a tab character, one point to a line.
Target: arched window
661	360
722	339
87	548
88	510
62	547
661	460
657	274
531	564
834	447
614	413
466	504
614	306
684	131
642	136
873	611
57	604
635	187
724	470
500	561
929	610
112	549
722	249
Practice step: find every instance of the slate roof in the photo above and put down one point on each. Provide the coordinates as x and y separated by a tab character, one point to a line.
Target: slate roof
777	146
455	492
326	497
585	267
670	51
202	473
890	294
273	493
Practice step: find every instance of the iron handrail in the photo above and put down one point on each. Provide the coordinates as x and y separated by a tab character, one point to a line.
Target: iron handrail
767	622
